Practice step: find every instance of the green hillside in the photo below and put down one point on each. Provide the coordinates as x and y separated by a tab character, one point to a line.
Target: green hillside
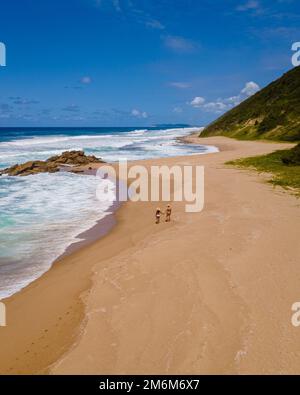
272	113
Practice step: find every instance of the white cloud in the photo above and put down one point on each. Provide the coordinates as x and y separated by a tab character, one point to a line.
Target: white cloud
86	80
139	114
135	113
249	5
115	4
179	44
131	10
198	101
250	88
217	106
154	24
222	105
71	108
177	110
180	85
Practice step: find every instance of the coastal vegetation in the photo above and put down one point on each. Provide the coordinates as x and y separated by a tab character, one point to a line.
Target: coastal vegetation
272	113
284	165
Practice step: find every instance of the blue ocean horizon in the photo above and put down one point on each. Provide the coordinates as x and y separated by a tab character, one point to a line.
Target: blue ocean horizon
20	144
16	132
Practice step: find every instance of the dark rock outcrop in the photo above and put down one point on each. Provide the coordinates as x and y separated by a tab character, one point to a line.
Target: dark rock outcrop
53	164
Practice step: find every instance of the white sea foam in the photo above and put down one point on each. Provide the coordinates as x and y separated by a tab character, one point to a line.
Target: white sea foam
41	215
109	146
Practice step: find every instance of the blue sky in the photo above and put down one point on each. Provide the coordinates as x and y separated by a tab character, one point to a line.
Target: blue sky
139	62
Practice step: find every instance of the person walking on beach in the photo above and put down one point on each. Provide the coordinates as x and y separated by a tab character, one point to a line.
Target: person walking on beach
158	214
168	213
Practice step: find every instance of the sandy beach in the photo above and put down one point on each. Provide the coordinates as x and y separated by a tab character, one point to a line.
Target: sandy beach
210	292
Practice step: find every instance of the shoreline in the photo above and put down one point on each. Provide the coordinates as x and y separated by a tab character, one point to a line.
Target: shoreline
105	224
101	228
52	341
88	235
91	234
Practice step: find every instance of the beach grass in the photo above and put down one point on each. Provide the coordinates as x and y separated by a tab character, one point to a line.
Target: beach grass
286	176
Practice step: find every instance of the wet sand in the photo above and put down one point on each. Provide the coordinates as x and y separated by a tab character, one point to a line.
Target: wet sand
210	292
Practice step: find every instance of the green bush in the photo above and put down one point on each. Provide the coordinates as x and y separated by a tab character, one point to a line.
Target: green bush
292	157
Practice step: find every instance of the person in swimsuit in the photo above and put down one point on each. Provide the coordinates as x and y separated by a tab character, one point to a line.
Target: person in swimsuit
168	213
158	214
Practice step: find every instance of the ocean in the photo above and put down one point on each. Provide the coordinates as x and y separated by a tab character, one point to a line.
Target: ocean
41	215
